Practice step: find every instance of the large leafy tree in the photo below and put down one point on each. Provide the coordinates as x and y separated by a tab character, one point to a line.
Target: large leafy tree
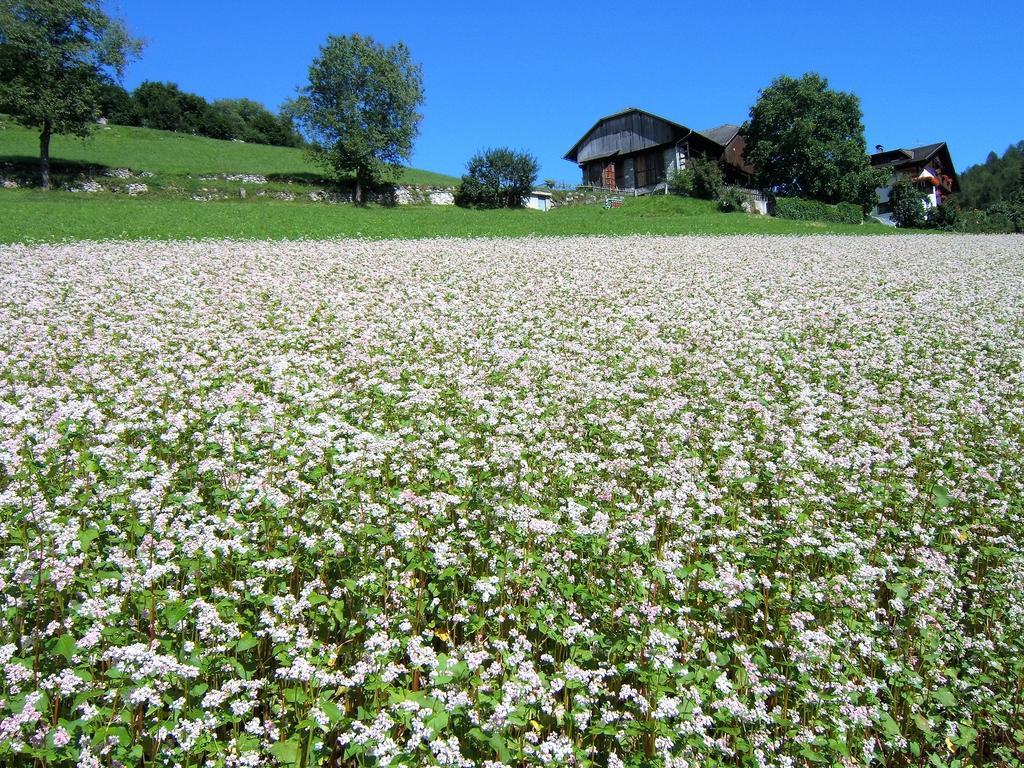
360	108
807	140
56	56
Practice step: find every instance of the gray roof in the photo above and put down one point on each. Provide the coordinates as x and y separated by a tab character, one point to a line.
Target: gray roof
899	156
722	134
570	155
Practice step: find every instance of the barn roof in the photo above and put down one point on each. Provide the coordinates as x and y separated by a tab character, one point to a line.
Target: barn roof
571	154
722	134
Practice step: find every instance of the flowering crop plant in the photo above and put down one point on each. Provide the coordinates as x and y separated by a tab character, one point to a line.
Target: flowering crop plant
585	502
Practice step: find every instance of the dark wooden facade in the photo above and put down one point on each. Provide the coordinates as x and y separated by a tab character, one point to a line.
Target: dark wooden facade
635	149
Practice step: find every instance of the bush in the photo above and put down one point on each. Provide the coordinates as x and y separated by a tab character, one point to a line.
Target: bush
1009	211
945	217
680	182
907	203
708	182
497	178
733	200
798	209
702	177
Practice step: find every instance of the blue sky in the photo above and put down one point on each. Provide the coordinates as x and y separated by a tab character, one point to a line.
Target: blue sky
536	75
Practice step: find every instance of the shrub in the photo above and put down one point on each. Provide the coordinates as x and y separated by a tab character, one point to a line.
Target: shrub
1010	213
733	200
798	209
680	182
708	182
702	177
497	178
945	217
907	205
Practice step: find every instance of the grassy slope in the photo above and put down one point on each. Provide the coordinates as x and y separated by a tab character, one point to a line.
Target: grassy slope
177	159
164	152
37	216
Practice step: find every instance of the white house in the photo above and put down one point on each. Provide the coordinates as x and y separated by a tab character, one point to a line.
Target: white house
929	168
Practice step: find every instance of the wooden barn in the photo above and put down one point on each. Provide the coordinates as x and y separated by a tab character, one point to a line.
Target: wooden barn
637	150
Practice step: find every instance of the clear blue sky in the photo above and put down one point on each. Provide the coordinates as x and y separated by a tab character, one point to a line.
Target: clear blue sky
536	75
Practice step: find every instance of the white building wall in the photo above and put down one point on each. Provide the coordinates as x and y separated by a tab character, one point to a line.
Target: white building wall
538	202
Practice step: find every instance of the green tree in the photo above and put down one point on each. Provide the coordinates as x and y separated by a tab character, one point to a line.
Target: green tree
116	105
359	109
497	178
257	124
55	58
907	205
807	140
995	180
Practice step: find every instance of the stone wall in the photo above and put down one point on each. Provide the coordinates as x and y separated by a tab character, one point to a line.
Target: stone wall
416	195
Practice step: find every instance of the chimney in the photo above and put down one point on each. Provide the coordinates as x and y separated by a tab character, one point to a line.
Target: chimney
878	147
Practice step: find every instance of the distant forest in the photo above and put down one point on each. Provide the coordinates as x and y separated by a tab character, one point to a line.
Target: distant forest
997	180
167	107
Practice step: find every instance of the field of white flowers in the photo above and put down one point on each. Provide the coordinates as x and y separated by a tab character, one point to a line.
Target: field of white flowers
591	502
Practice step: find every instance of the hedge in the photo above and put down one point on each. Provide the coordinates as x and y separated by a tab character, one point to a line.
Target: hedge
811	210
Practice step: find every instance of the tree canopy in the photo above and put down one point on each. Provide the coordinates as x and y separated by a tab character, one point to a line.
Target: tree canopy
360	108
56	56
166	106
807	140
497	178
998	179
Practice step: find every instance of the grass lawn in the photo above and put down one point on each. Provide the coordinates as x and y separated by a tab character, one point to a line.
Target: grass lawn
29	215
172	154
183	165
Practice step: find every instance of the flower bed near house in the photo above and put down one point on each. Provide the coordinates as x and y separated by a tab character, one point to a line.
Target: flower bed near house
610	501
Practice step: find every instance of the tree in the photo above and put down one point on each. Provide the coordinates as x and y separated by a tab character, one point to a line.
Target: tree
256	124
807	140
116	105
907	205
995	180
497	178
55	58
360	108
163	105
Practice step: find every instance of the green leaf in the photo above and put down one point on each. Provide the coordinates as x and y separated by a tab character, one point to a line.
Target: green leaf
246	642
295	695
945	697
941	497
810	754
333	711
890	726
438	722
66	646
86	537
286	752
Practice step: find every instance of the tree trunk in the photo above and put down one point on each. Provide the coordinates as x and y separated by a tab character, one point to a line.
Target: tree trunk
44	155
359	191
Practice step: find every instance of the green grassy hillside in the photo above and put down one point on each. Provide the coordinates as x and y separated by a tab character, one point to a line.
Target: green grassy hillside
166	153
31	215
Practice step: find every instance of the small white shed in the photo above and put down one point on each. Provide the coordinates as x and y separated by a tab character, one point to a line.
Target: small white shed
539	200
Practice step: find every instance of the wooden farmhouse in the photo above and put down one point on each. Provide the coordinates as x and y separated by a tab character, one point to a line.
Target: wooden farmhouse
930	168
635	150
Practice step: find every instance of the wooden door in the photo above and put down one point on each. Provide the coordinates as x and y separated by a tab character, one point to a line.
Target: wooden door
609	175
